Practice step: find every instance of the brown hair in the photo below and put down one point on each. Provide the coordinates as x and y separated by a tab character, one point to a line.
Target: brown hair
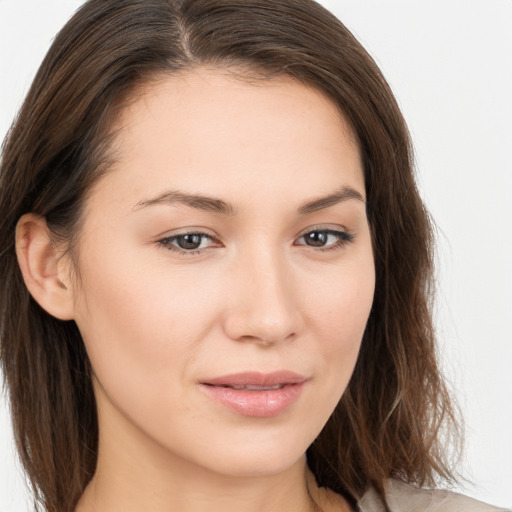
389	420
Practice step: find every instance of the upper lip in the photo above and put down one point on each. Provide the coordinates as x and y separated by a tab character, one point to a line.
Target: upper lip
257	379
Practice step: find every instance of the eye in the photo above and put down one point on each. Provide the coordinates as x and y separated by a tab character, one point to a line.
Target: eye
189	243
325	239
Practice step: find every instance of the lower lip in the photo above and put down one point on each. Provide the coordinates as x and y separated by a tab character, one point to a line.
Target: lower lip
259	404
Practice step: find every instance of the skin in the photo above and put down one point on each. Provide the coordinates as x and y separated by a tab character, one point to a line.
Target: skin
258	296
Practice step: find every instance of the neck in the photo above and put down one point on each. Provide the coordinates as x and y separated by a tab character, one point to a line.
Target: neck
143	488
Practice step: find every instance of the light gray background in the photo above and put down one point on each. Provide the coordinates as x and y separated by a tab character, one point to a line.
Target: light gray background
450	65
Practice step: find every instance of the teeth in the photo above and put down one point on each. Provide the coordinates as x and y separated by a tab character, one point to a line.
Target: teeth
248	387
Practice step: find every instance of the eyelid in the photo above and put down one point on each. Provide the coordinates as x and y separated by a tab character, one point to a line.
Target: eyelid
188	231
324	227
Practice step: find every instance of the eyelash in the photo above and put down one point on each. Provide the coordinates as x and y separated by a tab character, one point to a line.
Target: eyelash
343	238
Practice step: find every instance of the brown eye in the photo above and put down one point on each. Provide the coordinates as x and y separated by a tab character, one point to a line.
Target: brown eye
325	239
316	238
189	242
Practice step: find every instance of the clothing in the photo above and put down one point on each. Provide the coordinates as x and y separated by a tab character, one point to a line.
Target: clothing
402	497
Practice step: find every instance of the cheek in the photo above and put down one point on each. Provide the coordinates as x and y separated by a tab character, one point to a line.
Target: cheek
137	316
339	305
339	312
142	333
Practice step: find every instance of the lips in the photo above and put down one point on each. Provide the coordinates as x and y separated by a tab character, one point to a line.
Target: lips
257	379
256	394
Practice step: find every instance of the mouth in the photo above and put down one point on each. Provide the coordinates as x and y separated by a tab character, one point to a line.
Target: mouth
261	395
249	387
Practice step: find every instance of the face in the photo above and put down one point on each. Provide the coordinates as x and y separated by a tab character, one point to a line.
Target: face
226	272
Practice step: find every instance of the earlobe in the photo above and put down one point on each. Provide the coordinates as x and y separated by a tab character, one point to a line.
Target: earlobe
43	271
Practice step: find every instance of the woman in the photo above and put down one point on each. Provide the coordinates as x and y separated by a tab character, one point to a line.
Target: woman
217	269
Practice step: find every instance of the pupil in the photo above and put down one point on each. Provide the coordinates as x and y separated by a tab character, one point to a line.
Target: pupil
316	238
189	241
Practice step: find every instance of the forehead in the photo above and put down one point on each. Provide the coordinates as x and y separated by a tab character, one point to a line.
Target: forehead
210	129
204	98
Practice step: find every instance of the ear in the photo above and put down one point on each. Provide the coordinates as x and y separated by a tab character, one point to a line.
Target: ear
46	276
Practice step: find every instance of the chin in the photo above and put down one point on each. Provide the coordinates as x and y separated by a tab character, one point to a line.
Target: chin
258	465
255	455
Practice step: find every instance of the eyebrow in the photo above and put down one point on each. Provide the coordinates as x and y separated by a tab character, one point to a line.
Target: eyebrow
211	204
343	194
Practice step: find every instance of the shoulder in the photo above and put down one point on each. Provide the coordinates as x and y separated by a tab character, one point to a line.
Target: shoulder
403	497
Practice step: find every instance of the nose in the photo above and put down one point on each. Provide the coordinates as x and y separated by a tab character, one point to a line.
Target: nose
263	301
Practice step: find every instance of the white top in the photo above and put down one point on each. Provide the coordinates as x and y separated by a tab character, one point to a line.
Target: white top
402	497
